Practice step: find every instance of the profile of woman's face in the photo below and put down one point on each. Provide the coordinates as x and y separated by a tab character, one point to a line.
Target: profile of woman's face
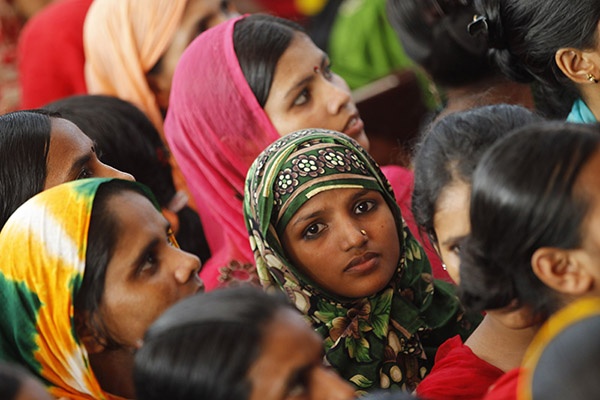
350	231
199	15
290	364
451	224
305	93
146	273
72	155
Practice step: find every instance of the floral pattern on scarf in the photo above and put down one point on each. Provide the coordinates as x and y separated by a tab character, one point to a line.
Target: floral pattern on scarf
386	340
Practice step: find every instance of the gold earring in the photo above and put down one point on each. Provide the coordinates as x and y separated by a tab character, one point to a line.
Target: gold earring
363	232
592	78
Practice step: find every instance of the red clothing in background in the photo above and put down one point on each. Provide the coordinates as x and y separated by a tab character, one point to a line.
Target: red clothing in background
50	54
458	374
506	387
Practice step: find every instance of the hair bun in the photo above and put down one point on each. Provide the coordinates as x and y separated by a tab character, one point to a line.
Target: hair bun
481	25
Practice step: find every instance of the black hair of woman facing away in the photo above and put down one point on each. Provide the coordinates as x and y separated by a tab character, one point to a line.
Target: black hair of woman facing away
17	384
434	35
127	140
534	207
553	43
235	343
39	150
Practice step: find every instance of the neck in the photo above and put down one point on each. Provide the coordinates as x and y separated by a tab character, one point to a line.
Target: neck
491	90
114	371
591	96
500	345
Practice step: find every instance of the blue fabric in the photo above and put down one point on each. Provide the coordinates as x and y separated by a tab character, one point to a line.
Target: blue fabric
581	114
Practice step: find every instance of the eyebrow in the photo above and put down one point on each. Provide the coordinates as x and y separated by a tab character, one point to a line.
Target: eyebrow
81	161
306	79
453	239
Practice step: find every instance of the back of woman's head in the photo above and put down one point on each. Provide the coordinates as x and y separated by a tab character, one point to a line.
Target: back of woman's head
524	35
204	346
524	197
259	42
451	148
24	145
433	33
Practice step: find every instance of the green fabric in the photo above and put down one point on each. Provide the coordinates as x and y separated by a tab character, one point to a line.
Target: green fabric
386	340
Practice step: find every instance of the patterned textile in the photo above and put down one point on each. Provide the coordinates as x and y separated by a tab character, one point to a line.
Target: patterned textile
385	340
42	262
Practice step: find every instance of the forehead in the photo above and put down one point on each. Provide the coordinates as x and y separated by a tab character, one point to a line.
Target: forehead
134	211
301	51
66	135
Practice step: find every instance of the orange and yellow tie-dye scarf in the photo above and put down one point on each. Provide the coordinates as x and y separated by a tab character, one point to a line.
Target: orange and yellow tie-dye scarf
42	262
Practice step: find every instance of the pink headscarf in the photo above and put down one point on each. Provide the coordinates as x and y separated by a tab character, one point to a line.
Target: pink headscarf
123	40
215	128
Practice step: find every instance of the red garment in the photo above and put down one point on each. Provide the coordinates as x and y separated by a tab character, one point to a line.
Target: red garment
506	387
282	8
402	181
458	374
10	26
50	54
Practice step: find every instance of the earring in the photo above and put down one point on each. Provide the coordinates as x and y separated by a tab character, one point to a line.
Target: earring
363	232
592	78
444	267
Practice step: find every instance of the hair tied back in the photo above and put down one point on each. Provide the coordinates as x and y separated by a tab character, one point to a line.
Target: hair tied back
478	26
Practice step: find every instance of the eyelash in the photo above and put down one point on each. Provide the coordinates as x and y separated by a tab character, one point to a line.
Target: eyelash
327	74
85	173
307	235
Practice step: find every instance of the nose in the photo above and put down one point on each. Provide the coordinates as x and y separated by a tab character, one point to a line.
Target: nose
352	237
110	172
339	94
187	266
327	385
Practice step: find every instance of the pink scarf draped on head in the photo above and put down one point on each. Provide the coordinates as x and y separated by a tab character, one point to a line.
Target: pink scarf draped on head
123	40
215	129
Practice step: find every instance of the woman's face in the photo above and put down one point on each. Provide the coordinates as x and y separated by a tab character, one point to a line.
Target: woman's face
72	155
199	15
306	94
290	364
451	224
146	273
345	240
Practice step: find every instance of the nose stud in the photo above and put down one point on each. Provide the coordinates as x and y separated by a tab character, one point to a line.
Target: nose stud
363	232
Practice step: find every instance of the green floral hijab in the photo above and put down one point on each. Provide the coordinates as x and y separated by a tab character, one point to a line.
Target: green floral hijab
386	340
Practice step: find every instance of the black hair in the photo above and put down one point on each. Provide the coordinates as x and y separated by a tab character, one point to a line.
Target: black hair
128	141
524	197
101	244
524	35
204	346
450	149
434	35
259	41
12	377
24	146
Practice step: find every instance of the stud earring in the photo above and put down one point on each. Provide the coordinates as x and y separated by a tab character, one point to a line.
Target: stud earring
363	232
316	69
592	78
444	267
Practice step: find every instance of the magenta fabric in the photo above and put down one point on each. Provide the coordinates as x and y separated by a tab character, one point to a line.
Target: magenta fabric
214	144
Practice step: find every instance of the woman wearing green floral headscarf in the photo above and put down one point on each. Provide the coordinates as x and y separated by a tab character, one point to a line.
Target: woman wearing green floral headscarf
326	229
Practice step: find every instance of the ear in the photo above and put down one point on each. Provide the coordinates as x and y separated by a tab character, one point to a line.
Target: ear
561	270
577	65
87	334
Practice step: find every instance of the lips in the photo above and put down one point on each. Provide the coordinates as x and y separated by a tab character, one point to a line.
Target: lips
354	126
363	263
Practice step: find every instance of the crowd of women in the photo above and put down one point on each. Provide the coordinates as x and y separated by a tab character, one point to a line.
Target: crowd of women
189	208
